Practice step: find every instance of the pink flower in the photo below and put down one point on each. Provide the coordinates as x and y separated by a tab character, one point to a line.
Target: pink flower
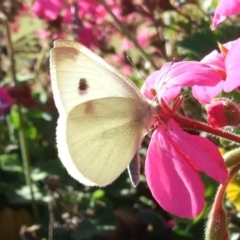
87	36
226	64
48	9
6	101
174	157
90	14
93	10
89	10
224	9
172	77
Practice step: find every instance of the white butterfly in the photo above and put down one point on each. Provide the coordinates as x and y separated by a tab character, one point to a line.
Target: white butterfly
103	116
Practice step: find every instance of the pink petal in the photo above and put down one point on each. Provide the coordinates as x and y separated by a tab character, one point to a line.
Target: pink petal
229	45
143	37
149	84
206	94
199	151
92	8
224	9
169	80
215	60
232	68
159	76
48	9
174	183
188	73
87	37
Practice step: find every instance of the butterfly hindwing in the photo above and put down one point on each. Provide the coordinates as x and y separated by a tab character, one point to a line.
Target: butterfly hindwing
101	144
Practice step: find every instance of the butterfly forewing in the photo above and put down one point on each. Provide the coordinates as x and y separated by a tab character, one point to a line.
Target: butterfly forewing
70	62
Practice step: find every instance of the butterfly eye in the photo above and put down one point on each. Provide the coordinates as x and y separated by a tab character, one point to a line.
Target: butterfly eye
83	84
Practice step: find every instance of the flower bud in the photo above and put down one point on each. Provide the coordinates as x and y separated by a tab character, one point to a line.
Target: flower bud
223	112
216	228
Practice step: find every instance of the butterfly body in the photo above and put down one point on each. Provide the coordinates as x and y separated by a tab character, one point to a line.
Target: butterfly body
100	127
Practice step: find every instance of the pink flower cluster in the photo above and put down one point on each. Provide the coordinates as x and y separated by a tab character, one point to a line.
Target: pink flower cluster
175	157
87	18
83	15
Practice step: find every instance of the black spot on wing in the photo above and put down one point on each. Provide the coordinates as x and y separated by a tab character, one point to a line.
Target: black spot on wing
83	85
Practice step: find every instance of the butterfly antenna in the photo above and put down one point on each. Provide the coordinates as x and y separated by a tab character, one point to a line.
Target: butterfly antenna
132	63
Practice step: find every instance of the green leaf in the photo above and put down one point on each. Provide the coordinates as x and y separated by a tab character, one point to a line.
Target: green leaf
201	43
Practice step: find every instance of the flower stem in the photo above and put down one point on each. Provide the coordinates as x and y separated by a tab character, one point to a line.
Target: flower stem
21	132
195	125
216	228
